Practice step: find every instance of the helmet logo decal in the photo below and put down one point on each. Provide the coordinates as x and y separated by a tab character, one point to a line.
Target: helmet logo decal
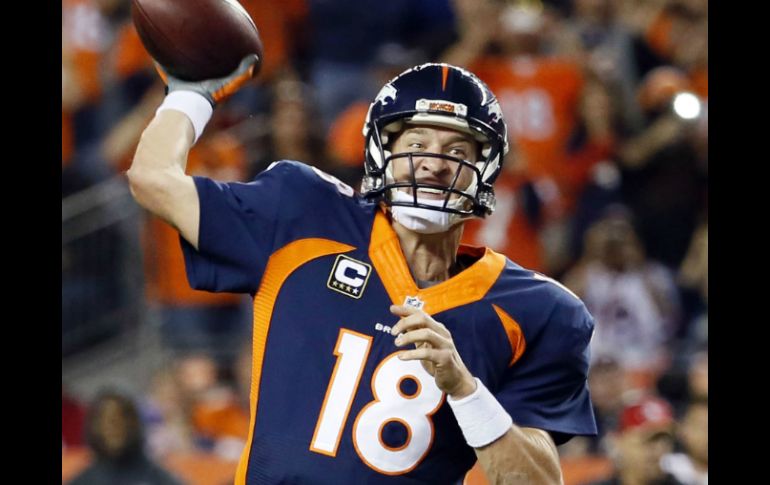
458	109
494	109
387	92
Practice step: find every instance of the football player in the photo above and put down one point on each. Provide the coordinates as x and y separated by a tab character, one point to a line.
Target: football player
383	350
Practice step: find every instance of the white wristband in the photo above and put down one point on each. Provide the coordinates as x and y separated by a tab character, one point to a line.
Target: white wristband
481	417
195	106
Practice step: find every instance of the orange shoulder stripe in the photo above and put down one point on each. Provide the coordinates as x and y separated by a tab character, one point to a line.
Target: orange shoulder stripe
513	331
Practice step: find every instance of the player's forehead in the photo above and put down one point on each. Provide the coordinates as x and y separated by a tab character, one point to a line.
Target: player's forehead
440	133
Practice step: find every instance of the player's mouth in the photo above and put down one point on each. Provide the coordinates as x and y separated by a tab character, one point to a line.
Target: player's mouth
426	193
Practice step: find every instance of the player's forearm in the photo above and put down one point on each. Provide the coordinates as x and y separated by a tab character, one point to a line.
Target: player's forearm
521	456
157	178
160	159
164	144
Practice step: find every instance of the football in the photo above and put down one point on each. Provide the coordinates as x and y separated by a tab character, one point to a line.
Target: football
196	39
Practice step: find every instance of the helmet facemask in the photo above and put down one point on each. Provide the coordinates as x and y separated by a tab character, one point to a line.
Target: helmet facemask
435	95
475	200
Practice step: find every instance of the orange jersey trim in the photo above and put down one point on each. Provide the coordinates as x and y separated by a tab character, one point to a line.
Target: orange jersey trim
513	331
468	286
279	267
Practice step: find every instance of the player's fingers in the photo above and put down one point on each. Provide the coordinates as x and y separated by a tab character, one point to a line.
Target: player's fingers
423	335
420	320
415	318
410	322
423	353
403	310
440	329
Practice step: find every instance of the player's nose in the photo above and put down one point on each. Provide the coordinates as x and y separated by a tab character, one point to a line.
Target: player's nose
431	164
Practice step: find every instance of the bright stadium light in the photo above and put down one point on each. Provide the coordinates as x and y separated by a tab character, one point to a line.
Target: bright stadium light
687	106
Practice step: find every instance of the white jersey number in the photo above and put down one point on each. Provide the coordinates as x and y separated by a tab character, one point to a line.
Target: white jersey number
390	405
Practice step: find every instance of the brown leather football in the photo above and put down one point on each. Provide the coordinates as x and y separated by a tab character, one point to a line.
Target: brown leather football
196	39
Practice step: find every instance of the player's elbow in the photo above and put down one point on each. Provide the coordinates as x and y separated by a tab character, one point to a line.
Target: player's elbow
526	455
149	187
536	473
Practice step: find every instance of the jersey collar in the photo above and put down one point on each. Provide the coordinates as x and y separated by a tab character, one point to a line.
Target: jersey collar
465	287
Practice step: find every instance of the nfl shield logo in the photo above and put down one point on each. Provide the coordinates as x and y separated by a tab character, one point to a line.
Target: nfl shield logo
414	301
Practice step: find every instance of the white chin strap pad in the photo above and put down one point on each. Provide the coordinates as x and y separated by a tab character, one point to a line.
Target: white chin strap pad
423	221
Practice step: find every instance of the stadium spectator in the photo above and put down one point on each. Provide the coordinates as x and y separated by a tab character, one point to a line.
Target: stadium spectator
609	391
165	412
223	417
633	299
693	280
644	436
605	45
690	466
115	436
664	180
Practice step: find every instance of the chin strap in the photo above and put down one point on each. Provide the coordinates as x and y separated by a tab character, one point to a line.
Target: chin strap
418	219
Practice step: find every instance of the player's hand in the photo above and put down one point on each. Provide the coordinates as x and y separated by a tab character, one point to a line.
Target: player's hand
435	349
215	90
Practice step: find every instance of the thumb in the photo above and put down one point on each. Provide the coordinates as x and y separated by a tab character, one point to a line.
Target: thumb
248	64
238	78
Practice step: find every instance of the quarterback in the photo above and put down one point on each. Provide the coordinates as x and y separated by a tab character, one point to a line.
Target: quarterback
384	351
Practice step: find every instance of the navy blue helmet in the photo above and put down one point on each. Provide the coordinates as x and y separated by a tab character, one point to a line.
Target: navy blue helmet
437	95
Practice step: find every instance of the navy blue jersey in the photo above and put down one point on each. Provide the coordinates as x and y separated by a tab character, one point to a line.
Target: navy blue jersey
330	402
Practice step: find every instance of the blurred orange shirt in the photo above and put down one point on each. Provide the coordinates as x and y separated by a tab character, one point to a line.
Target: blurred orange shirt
540	101
700	81
219	156
275	21
129	53
507	230
345	141
658	34
85	36
222	420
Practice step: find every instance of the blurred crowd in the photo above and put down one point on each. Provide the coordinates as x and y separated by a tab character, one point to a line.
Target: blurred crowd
605	189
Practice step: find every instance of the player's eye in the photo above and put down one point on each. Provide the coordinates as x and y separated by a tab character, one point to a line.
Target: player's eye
458	152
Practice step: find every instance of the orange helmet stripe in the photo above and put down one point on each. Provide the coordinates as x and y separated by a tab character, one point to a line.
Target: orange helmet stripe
444	74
